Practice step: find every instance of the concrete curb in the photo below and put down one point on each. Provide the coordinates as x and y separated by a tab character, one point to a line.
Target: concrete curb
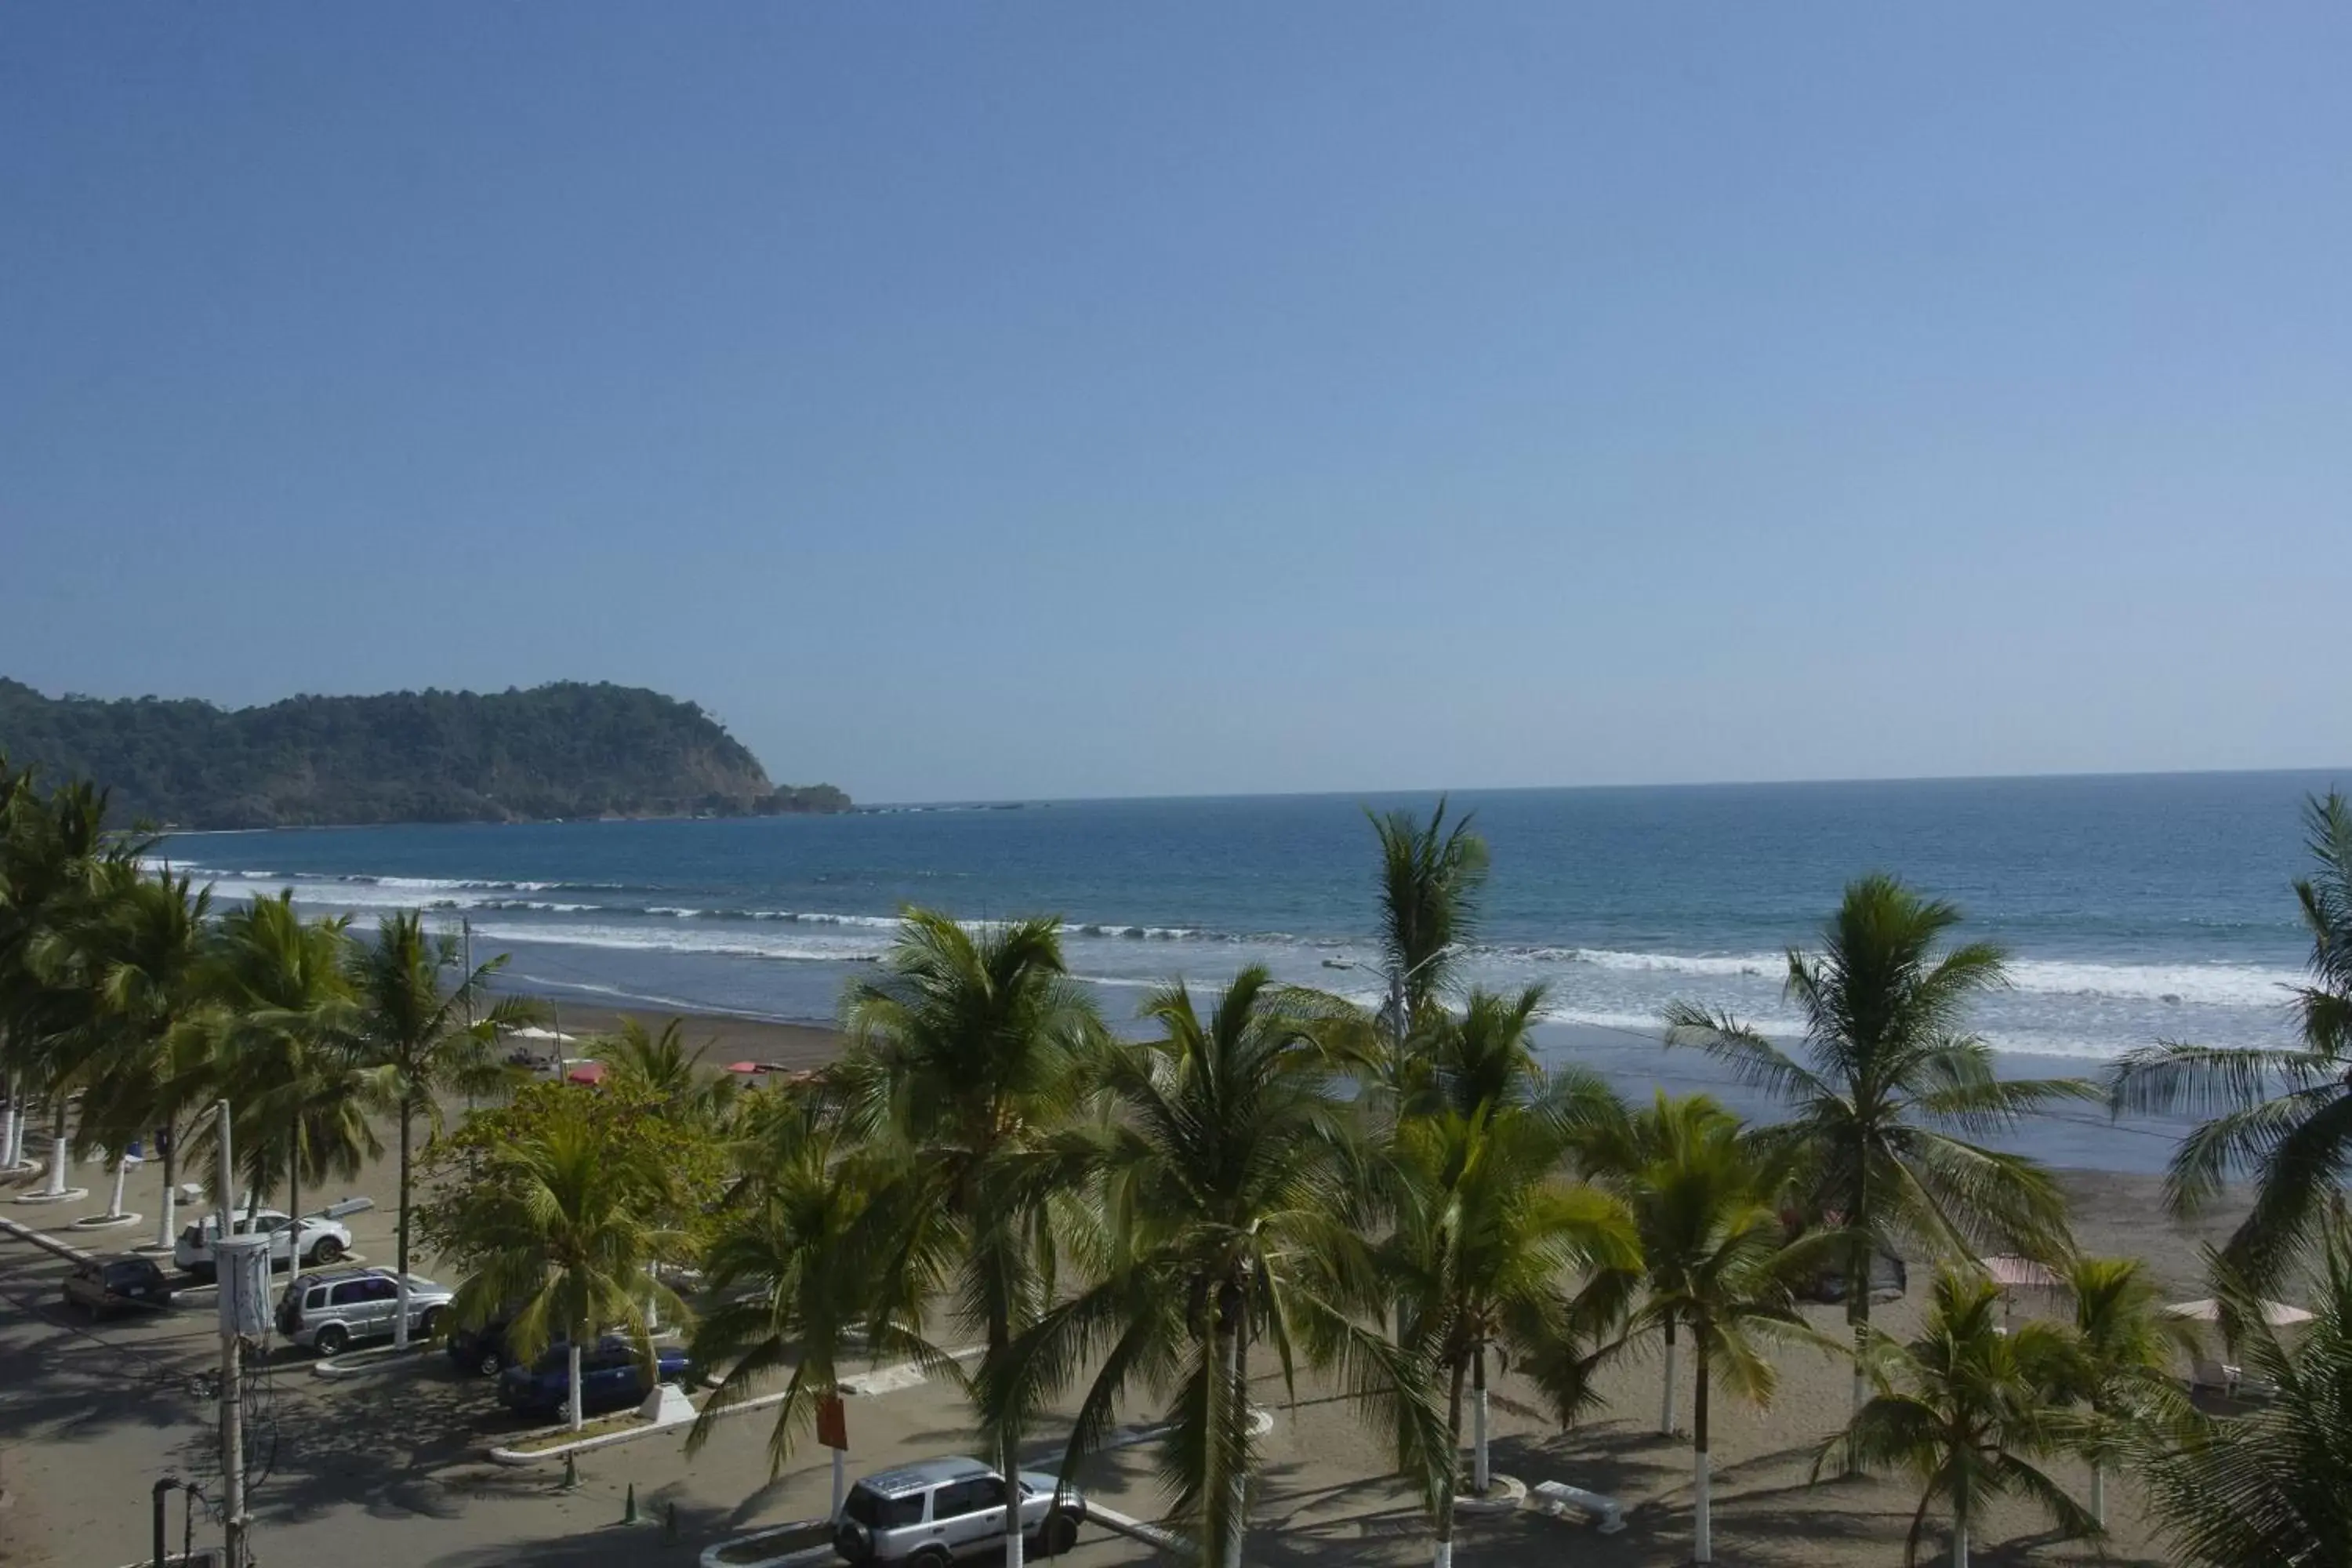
1513	1493
518	1459
376	1359
44	1240
710	1558
70	1195
1151	1535
105	1221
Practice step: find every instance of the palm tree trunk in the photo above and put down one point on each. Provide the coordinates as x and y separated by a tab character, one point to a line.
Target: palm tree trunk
1480	1473
400	1318
2098	1494
121	1172
1960	1540
168	1211
571	1355
1702	1475
1450	1477
1236	1521
1666	1396
999	1336
60	1153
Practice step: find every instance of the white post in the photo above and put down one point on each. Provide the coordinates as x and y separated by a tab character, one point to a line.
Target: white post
114	1205
1667	1399
1702	1540
12	1135
840	1484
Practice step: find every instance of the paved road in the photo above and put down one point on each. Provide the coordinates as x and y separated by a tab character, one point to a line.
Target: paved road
379	1469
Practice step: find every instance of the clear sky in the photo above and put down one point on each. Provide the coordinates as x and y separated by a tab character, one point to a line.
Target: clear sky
1082	399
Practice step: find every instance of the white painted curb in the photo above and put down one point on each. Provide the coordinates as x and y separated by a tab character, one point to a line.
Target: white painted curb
710	1558
378	1358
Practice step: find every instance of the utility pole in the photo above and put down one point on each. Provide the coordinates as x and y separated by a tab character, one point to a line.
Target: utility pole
232	1393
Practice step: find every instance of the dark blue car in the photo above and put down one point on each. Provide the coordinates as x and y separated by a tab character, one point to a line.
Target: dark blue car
610	1378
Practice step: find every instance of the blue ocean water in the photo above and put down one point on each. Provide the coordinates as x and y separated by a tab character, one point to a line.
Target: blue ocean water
2135	907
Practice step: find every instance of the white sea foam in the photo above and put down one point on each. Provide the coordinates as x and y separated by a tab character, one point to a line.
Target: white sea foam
688	938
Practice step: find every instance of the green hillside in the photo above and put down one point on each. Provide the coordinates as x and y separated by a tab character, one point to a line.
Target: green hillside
568	750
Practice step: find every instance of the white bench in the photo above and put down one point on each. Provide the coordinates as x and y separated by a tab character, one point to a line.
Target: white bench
1608	1513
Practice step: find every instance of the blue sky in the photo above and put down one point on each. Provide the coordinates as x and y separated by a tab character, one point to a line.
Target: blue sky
1068	400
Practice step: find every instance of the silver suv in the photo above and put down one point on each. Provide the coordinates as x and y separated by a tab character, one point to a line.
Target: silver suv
931	1513
327	1311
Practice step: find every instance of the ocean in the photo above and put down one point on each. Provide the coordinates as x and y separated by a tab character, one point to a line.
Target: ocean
2133	908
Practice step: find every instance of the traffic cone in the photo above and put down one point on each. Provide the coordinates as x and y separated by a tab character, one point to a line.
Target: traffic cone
629	1508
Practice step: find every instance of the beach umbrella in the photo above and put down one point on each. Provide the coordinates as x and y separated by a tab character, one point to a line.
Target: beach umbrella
746	1067
587	1072
2277	1314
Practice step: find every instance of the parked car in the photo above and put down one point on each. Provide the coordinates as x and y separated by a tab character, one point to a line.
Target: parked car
325	1312
610	1377
481	1352
100	1285
322	1240
933	1512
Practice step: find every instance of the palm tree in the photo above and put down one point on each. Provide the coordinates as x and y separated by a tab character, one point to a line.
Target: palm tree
565	1243
806	1276
2274	1485
1890	1081
1967	1407
142	949
1226	1173
968	1057
1430	877
286	1020
420	1039
665	1068
51	845
2282	1114
1488	1244
2124	1349
1619	1153
1714	1259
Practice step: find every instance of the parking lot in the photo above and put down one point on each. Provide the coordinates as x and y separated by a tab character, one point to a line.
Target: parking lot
95	1412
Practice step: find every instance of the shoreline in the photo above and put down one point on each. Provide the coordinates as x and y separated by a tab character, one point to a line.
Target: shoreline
2117	1209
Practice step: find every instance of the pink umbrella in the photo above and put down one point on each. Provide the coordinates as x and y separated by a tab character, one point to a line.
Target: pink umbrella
587	1072
743	1067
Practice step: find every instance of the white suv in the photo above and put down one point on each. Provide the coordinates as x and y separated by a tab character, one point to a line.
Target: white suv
321	1240
929	1514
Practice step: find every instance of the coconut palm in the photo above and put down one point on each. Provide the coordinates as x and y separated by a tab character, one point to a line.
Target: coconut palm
420	1038
2273	1485
1227	1170
52	844
1889	1083
1967	1408
968	1057
141	948
1620	1154
1715	1261
2281	1114
663	1065
2124	1349
565	1243
1430	878
1488	1243
806	1276
284	1023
